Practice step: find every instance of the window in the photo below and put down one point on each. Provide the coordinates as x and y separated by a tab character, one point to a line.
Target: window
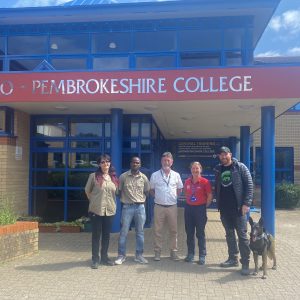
234	58
111	63
284	165
27	45
155	41
199	59
50	127
69	63
6	121
24	64
111	42
2	45
155	62
233	38
89	127
200	39
69	44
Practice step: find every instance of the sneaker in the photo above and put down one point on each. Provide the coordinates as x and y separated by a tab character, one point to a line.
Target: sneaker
107	262
245	270
174	256
140	259
201	261
230	262
157	256
94	265
189	258
120	259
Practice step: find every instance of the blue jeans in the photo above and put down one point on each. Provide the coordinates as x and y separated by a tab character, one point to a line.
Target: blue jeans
137	213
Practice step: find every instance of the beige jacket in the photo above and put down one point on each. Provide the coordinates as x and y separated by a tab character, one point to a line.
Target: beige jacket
102	199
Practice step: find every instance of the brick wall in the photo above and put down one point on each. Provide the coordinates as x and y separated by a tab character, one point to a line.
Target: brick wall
287	135
18	240
14	171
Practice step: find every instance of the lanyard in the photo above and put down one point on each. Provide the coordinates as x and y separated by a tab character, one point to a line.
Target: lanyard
193	188
163	178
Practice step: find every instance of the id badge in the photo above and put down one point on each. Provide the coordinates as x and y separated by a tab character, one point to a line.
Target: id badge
193	198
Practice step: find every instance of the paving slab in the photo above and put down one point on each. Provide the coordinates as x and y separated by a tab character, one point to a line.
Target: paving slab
61	269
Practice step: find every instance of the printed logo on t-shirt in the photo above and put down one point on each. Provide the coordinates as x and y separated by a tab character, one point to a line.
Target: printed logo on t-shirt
226	179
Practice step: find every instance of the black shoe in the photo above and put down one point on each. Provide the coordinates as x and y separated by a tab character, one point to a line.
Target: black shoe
229	263
107	262
245	270
189	258
201	261
94	265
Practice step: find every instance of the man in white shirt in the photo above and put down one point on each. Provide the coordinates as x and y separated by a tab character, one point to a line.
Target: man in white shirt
165	187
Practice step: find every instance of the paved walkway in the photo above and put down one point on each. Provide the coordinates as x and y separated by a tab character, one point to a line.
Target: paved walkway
61	269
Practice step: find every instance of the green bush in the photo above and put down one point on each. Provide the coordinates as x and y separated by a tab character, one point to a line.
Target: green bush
287	195
7	215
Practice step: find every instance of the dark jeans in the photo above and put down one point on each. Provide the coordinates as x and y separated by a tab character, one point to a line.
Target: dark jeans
238	223
195	218
101	227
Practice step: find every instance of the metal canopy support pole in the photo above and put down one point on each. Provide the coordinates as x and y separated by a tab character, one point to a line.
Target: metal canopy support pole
245	145
116	155
268	167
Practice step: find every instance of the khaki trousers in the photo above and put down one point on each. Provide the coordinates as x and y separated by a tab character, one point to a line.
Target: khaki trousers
164	215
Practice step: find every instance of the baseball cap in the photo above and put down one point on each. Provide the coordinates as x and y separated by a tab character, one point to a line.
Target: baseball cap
224	149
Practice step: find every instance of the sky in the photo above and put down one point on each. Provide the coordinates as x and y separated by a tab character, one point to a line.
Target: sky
281	37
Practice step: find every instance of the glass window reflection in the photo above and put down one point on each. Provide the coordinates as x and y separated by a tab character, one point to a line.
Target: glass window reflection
48	160
111	42
69	44
155	62
82	160
155	41
111	63
51	127
86	128
69	63
31	45
23	64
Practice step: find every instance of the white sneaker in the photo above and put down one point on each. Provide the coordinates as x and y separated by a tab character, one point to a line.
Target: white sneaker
120	259
141	259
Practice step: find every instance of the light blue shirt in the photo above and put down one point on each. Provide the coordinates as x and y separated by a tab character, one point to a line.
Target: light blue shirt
165	187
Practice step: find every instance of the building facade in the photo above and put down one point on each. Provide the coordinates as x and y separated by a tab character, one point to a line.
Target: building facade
129	79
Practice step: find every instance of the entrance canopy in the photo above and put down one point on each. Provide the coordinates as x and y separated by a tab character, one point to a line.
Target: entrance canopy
184	103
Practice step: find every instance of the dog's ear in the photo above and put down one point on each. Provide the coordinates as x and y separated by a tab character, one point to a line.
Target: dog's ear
250	221
261	221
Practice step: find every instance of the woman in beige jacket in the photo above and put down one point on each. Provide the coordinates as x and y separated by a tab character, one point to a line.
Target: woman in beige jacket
101	189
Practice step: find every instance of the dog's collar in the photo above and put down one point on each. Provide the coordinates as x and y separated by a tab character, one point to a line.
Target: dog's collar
263	236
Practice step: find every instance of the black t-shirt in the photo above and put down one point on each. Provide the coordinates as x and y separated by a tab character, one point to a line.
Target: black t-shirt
228	203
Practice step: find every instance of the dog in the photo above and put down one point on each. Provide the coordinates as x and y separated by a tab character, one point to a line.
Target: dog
261	243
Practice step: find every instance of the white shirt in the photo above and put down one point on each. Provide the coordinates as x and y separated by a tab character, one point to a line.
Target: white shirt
165	187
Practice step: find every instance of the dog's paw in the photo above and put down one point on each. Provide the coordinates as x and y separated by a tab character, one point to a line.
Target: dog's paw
254	273
274	268
264	277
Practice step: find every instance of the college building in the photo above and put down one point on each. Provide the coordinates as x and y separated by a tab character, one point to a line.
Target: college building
139	79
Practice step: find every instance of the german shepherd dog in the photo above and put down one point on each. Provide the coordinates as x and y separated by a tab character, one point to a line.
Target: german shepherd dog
261	243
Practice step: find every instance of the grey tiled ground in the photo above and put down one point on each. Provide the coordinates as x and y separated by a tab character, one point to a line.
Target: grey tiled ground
61	269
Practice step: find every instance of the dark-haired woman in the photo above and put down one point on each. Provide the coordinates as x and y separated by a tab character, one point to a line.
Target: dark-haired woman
101	189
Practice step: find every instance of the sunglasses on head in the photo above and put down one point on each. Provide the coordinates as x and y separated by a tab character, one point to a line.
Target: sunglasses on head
104	161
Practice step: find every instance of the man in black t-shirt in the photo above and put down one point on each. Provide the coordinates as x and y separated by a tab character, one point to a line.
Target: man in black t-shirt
234	194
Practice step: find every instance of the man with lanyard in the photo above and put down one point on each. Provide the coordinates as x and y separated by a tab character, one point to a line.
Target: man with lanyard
134	187
165	187
234	194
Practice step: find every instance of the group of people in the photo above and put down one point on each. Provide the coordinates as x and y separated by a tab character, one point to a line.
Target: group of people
233	193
